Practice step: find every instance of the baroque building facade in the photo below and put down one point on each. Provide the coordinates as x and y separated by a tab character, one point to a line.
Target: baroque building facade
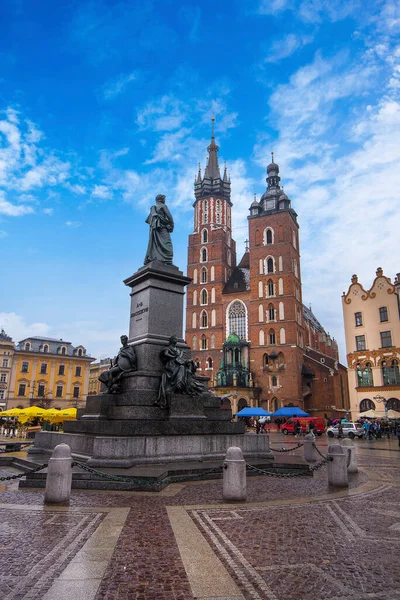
47	372
372	329
7	348
245	320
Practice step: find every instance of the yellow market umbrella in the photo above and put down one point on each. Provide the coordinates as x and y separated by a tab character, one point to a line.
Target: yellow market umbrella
30	413
64	415
11	412
50	413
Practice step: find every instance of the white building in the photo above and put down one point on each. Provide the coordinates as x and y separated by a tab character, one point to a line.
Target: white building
372	329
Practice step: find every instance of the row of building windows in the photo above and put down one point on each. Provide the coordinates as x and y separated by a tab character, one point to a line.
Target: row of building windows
60	349
41	391
218	212
204	256
383	316
386	340
391	404
5	362
390	374
268	237
203	297
271	314
204	275
43	369
203	342
268	265
270	337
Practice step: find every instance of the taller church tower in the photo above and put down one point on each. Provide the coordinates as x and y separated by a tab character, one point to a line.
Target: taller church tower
211	258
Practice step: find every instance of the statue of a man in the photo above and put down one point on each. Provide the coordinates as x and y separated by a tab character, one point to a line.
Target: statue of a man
124	362
161	225
178	375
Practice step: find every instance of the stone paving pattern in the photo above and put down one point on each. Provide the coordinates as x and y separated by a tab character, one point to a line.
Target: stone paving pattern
314	548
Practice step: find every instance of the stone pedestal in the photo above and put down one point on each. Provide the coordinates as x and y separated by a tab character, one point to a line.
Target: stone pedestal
156	311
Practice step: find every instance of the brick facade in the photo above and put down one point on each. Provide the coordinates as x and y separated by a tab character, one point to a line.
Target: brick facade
260	300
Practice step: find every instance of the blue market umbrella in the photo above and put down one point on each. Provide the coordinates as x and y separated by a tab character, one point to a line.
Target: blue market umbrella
253	412
290	411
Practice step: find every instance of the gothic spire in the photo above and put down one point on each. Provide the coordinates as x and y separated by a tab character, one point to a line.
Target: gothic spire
212	169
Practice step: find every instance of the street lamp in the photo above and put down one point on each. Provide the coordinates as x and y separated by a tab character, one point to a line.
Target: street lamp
382	400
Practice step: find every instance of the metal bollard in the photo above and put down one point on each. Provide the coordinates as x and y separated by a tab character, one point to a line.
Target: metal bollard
351	456
337	467
59	476
234	476
310	453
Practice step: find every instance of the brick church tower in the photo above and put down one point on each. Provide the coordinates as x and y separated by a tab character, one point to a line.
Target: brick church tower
275	307
211	258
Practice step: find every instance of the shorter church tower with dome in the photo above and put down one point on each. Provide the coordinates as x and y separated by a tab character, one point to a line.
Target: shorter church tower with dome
245	322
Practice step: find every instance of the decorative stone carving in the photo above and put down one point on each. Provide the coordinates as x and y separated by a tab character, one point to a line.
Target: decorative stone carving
178	376
125	362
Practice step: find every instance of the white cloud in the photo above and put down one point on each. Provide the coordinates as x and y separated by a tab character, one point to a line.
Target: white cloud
48	211
13	210
286	47
164	114
73	224
118	85
16	327
102	191
311	11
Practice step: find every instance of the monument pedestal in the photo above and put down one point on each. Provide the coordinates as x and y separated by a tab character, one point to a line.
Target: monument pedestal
127	428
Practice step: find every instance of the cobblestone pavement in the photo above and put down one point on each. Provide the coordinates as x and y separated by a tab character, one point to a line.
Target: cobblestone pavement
293	539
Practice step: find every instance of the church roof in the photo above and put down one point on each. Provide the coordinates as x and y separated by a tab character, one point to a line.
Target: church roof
245	262
239	281
311	318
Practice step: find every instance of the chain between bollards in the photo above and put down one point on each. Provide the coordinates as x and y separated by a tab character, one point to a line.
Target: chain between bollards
39	468
288	449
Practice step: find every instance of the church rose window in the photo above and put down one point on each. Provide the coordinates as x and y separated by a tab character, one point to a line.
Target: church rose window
237	319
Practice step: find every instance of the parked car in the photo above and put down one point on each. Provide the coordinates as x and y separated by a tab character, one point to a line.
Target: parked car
350	430
319	423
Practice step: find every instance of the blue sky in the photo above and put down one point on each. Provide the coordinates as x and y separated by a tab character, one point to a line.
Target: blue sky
105	104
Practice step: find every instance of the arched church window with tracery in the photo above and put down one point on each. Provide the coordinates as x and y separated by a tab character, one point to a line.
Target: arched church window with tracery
237	319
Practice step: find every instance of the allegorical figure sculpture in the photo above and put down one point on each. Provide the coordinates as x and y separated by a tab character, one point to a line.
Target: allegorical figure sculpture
178	375
124	362
161	225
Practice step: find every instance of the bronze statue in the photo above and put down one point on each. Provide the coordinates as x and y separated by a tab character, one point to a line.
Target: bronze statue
161	225
178	375
124	362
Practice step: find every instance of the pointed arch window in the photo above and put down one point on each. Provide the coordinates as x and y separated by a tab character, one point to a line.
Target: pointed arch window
260	289
213	318
271	313
195	276
194	343
212	295
218	212
261	338
203	255
212	273
272	338
203	275
282	336
203	342
270	265
209	363
268	236
194	321
270	288
204	319
204	236
212	339
274	381
204	297
237	319
205	211
195	298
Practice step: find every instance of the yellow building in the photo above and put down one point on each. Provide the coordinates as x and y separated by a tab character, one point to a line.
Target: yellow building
372	328
48	372
95	370
7	347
